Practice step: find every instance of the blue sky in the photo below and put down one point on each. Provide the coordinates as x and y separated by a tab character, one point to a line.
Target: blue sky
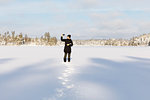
84	19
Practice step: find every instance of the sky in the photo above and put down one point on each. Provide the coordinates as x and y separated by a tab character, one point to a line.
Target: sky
83	19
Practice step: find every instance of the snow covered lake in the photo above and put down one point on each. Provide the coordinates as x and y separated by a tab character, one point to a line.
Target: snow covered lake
95	73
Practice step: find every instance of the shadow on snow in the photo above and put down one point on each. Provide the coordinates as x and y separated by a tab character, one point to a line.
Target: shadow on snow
129	79
32	82
5	60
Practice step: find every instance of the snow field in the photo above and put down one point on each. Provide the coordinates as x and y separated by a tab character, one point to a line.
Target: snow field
95	73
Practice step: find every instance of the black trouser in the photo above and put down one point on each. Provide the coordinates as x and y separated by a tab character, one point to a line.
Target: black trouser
65	56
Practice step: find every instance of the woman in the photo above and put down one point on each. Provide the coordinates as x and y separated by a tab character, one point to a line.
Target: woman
67	48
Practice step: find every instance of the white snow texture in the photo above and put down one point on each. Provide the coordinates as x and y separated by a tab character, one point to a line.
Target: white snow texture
94	73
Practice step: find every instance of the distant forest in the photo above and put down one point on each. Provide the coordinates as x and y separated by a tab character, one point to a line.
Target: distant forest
11	38
143	40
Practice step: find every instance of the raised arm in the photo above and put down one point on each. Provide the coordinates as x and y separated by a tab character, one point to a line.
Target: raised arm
62	38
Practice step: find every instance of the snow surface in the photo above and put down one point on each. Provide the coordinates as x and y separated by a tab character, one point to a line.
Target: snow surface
95	73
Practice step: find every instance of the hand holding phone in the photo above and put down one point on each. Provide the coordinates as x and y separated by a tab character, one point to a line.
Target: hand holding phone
62	34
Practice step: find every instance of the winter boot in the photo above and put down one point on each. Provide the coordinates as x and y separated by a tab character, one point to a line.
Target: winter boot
64	59
68	59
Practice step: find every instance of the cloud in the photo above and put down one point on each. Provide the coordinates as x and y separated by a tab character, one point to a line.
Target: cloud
111	24
112	5
88	3
5	1
82	18
30	7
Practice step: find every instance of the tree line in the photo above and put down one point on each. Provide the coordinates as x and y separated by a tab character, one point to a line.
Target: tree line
142	40
11	38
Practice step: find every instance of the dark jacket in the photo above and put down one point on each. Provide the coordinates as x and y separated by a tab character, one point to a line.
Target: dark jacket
67	49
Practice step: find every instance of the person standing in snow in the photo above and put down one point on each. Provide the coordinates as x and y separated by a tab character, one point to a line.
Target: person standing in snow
67	48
